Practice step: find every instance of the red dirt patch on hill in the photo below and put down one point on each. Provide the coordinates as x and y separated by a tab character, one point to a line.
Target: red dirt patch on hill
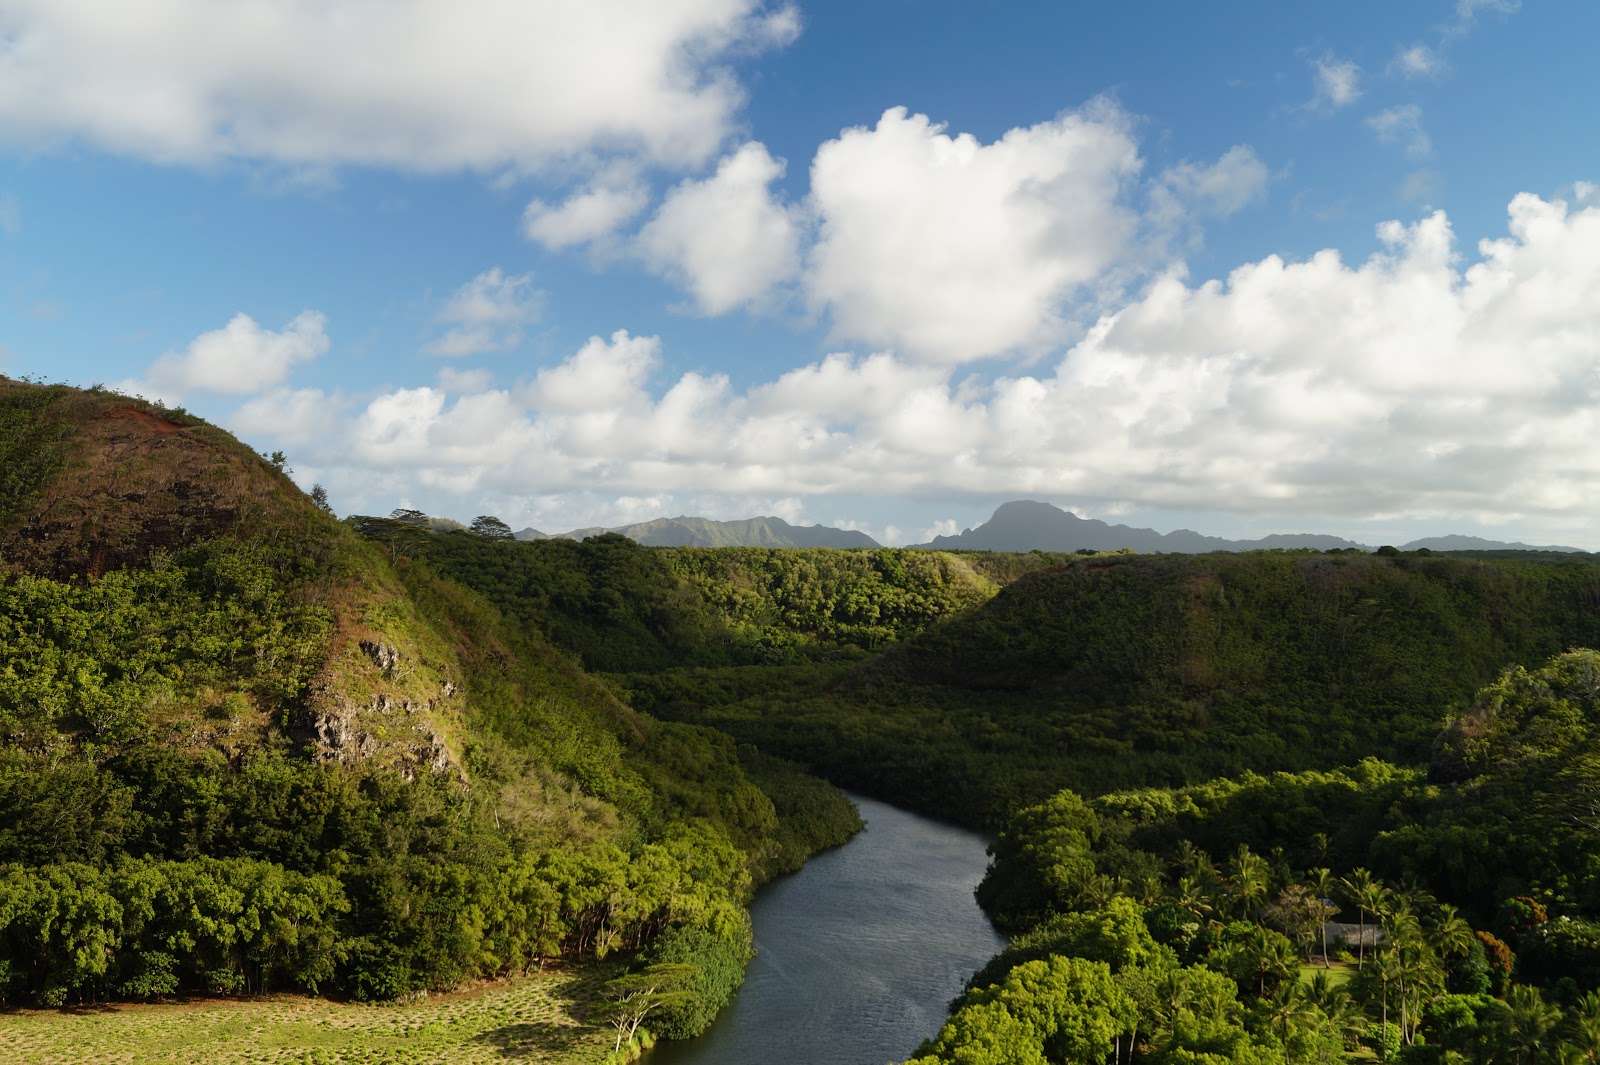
159	426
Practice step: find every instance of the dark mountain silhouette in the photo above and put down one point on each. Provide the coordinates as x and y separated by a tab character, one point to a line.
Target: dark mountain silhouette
1457	542
1028	525
685	531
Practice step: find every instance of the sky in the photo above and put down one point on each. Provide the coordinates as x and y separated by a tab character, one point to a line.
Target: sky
880	264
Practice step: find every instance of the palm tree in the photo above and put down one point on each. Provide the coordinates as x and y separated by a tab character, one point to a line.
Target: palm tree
1250	879
1337	1005
1367	893
1290	1003
1322	881
1386	966
1527	1023
1451	935
1582	1029
1192	896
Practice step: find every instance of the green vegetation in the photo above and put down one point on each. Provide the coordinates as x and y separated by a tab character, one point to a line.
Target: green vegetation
1472	887
623	608
543	1017
242	749
247	749
1113	672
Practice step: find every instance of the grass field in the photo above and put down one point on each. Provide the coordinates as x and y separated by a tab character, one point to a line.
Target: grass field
526	1019
1338	974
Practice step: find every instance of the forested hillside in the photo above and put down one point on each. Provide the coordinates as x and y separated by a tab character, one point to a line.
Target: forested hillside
1117	671
1187	925
243	748
624	608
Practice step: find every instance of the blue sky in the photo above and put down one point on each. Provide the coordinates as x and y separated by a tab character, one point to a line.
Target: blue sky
1241	268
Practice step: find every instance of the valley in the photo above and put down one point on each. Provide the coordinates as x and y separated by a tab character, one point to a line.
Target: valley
249	751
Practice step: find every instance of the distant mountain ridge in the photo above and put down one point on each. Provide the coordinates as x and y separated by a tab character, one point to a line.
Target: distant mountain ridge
1029	525
684	531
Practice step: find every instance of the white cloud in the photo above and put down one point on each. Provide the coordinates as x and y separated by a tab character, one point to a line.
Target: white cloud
948	249
1402	125
726	238
240	358
1337	81
591	214
292	417
1467	10
1418	61
487	314
1182	195
452	379
1222	189
1415	385
415	84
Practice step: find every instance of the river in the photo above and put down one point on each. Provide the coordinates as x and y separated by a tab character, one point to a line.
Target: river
859	953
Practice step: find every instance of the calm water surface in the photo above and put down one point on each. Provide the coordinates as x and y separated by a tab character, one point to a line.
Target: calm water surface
859	953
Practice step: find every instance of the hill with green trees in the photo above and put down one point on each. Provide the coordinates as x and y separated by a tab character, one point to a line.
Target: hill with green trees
246	747
1114	671
242	748
1188	924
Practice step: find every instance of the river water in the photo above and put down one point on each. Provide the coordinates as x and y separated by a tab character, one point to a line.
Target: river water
859	953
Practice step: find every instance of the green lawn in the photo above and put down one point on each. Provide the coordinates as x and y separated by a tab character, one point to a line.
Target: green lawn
528	1018
1338	974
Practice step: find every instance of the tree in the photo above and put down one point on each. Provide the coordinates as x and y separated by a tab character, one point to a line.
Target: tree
319	499
1301	912
415	517
632	997
1526	1023
492	528
1582	1029
1321	882
1367	893
1249	878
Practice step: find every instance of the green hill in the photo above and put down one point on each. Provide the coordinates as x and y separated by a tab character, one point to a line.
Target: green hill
243	748
1122	671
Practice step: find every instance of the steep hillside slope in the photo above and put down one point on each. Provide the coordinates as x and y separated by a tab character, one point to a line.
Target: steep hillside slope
626	608
1121	671
243	748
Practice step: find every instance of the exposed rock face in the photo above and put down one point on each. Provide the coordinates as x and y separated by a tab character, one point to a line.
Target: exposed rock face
399	731
385	656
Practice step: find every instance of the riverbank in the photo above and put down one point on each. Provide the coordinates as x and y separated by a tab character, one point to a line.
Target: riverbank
859	953
531	1018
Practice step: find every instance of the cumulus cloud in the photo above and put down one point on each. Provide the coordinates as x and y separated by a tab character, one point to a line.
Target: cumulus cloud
1418	61
1337	81
1402	125
487	314
591	214
1420	383
948	249
1222	188
240	358
405	83
726	238
1183	195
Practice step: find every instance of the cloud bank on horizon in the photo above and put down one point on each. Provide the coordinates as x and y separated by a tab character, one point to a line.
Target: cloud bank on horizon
909	315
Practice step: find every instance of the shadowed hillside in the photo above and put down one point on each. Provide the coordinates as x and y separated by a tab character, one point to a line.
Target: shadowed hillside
1121	671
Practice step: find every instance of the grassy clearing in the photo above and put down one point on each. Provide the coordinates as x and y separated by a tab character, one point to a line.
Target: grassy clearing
1338	973
529	1019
